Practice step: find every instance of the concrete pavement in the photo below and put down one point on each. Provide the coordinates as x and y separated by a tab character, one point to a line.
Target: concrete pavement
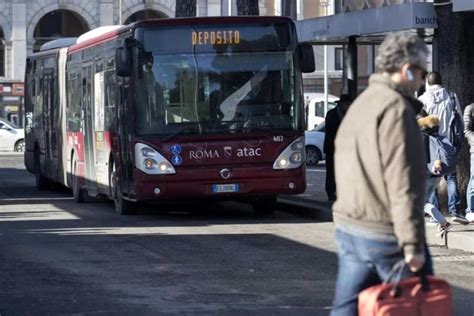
314	200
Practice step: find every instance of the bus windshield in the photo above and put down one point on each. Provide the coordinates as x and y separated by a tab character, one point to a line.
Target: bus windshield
216	92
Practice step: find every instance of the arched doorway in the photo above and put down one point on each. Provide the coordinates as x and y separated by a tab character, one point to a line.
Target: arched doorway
144	15
56	24
2	53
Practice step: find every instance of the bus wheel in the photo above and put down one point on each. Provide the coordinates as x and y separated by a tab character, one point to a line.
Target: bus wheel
77	192
122	206
42	182
264	206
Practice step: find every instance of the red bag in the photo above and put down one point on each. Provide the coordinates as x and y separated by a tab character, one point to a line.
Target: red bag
415	296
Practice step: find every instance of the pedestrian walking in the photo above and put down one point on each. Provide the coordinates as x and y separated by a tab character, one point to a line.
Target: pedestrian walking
469	133
333	120
441	158
445	105
380	176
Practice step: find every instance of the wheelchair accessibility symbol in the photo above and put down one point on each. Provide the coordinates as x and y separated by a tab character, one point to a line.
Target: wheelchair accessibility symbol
176	150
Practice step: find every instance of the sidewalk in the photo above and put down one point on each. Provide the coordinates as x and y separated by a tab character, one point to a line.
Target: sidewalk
315	200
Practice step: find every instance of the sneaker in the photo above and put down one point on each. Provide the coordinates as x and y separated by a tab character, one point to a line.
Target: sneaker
442	229
433	220
460	219
470	217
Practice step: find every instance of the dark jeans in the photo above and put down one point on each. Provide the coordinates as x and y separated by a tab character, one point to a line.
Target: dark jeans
454	202
330	177
364	262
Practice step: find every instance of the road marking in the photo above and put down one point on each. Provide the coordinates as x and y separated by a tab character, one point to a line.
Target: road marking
36	199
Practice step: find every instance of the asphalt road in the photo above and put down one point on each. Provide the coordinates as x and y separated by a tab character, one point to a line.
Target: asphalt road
58	257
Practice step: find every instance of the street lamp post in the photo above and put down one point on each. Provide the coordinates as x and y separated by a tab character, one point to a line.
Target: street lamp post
325	5
120	12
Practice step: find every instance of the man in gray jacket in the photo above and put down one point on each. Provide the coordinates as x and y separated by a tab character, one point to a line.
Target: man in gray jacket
380	172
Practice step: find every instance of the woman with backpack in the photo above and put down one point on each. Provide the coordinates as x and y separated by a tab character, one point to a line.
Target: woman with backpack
441	159
439	101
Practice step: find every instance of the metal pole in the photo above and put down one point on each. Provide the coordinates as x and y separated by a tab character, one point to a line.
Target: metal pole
120	12
325	5
325	79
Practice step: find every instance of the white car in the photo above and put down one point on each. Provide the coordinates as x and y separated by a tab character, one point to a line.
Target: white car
315	110
314	143
12	137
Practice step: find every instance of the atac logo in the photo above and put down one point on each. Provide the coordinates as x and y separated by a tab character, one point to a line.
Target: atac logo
228	151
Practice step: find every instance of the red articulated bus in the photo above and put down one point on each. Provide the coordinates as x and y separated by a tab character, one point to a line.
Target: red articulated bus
171	109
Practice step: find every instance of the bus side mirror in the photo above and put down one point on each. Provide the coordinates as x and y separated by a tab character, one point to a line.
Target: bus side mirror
306	57
123	62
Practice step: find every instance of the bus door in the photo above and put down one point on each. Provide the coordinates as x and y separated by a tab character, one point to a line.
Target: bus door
48	121
88	115
125	134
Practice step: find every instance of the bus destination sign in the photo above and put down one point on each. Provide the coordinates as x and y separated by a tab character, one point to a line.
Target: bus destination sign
215	37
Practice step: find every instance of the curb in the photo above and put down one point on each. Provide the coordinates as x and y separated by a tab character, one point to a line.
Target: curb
11	153
461	237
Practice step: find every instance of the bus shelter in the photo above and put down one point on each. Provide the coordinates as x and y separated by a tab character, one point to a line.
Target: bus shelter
368	27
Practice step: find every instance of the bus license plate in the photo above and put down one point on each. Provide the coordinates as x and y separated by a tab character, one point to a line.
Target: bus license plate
224	188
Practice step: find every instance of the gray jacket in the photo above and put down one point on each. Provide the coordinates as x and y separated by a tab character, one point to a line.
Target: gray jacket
469	125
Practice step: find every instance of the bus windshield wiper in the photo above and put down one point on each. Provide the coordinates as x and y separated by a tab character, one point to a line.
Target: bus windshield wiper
179	131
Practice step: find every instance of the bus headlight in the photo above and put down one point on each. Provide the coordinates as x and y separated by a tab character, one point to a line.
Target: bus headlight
292	157
150	161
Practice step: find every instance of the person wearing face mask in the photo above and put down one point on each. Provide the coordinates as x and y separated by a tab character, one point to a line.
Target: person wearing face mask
333	120
380	169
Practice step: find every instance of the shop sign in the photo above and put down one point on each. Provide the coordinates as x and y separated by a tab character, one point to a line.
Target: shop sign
11	108
18	89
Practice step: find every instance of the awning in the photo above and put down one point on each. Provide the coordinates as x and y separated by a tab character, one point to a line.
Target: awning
369	25
463	5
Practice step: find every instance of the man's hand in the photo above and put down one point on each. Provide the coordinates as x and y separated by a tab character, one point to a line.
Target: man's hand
415	261
437	168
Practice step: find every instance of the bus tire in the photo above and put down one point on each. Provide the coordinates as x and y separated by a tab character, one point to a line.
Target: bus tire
42	182
122	206
263	207
78	193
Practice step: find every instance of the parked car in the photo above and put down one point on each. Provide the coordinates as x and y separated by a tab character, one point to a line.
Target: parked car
315	108
12	137
314	143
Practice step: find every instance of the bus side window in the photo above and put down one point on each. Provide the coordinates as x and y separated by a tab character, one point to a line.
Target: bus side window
110	90
38	109
73	104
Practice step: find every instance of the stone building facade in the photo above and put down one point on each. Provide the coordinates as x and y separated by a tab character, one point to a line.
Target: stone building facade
21	20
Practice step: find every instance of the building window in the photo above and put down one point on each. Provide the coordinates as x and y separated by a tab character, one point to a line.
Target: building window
338	58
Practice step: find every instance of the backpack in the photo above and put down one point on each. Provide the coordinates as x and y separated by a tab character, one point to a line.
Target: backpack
439	148
456	132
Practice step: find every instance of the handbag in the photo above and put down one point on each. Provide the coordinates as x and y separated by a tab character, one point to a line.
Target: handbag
422	295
